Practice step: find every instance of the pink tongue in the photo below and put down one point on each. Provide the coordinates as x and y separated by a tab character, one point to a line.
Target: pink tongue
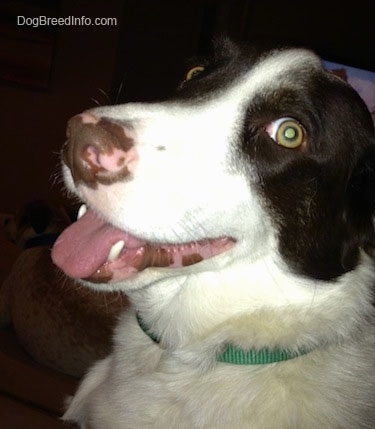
84	246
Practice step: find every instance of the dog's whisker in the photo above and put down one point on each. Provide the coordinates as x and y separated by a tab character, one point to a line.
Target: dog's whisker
97	102
119	91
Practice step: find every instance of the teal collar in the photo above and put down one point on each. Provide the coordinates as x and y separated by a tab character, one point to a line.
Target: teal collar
237	356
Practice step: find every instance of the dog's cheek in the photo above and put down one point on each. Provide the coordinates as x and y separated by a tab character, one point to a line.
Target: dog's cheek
306	209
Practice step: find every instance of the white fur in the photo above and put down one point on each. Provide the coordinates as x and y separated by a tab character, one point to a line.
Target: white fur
184	190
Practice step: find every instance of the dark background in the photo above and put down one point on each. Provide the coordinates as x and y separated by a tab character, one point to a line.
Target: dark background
48	74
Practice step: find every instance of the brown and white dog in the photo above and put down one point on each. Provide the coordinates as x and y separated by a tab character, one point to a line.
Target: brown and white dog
238	218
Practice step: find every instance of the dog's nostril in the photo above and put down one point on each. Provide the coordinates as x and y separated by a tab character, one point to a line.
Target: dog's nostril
111	161
98	150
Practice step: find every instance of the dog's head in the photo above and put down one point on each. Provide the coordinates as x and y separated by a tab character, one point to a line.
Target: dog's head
259	155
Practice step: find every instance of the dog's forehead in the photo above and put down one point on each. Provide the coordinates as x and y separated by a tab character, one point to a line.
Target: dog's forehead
271	71
239	83
236	81
277	67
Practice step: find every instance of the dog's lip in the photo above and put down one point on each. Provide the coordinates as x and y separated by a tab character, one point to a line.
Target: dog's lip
166	256
95	251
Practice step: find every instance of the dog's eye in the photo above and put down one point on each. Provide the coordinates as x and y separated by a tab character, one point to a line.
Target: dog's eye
194	72
287	132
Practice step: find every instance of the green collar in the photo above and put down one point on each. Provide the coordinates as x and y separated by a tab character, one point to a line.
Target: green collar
237	356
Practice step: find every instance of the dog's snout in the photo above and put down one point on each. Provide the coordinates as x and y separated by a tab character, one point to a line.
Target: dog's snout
98	150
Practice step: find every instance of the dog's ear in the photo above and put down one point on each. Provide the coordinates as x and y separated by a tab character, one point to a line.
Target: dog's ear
360	208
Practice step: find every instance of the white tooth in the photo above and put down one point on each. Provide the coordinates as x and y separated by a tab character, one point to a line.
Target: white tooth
82	210
115	251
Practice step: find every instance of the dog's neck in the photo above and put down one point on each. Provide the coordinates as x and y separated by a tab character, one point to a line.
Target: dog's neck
237	356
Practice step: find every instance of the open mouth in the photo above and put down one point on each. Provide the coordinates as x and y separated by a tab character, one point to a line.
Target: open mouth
94	250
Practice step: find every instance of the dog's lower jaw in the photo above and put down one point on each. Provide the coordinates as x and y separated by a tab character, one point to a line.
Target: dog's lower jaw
98	252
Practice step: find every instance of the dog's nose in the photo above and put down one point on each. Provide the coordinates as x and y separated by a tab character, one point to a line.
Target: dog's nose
98	150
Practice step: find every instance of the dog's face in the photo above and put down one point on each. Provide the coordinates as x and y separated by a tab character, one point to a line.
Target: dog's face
261	155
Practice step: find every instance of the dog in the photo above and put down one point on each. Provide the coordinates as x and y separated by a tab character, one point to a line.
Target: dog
238	218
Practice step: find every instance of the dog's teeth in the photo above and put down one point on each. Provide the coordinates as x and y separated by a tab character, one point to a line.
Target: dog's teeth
115	251
82	210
